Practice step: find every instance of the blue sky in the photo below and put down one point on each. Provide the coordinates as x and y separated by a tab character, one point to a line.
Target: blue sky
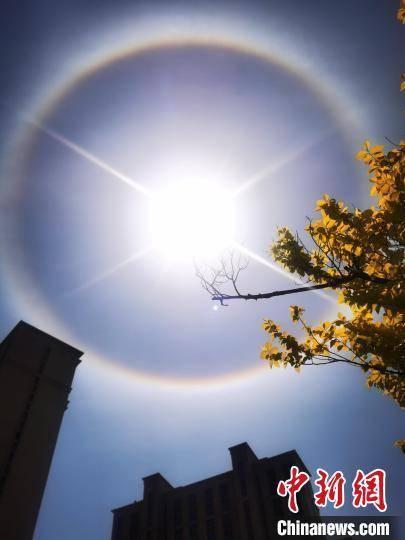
168	384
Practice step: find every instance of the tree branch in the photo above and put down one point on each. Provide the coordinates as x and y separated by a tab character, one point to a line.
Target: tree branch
262	296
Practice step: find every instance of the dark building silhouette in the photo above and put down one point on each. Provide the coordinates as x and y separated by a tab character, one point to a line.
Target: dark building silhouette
240	504
36	373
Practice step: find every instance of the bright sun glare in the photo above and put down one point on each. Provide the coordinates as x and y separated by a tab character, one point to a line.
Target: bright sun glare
192	219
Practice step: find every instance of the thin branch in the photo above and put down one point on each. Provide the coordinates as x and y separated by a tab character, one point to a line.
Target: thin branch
229	273
261	296
366	366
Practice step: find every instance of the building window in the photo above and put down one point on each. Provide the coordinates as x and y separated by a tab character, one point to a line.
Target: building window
261	500
117	529
305	502
134	527
193	532
209	502
224	496
242	477
272	482
227	526
192	507
163	521
177	512
278	507
150	504
211	532
248	518
286	471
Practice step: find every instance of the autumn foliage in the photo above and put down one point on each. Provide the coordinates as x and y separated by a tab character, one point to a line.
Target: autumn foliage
360	254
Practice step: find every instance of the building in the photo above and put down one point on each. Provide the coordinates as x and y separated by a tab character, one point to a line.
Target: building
240	504
36	373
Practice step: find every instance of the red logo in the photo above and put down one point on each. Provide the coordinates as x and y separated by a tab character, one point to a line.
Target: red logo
370	489
292	486
331	488
366	488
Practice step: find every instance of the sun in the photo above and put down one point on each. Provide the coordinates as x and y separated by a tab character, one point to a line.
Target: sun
192	219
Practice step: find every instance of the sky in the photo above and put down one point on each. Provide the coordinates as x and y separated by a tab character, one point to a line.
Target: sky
102	104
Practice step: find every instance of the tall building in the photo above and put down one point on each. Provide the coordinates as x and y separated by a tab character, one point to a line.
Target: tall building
240	504
36	373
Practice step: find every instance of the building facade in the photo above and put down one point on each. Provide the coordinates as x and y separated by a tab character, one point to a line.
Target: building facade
36	373
240	504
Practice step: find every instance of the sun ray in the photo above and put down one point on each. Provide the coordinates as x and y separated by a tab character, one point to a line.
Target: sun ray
91	158
273	167
109	272
275	268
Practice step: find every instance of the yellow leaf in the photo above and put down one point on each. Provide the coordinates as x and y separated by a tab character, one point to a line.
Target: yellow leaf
296	313
401	15
377	149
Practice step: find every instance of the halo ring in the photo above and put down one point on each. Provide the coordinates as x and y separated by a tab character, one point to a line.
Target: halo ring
16	278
